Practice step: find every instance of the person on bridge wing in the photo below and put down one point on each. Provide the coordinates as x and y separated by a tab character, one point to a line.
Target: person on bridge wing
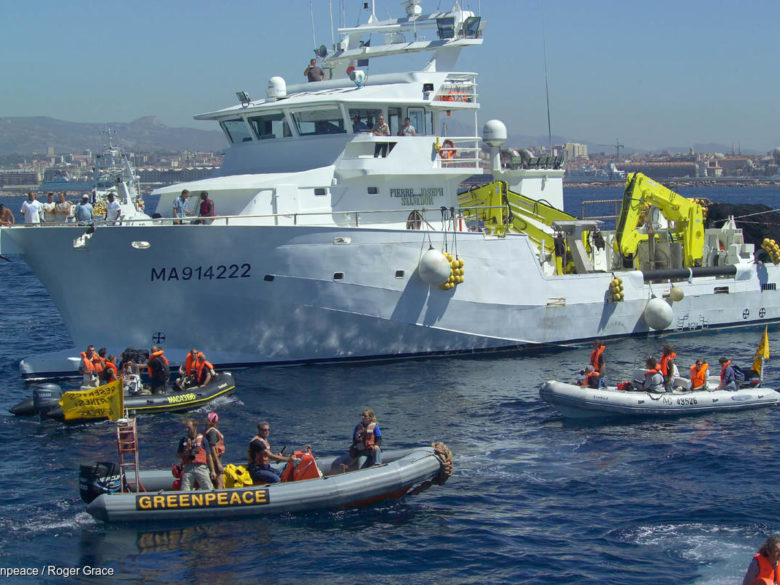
158	370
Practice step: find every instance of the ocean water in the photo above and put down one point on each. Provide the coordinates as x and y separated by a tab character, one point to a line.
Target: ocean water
532	499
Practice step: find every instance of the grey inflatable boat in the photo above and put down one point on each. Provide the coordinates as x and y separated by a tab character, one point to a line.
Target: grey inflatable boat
402	472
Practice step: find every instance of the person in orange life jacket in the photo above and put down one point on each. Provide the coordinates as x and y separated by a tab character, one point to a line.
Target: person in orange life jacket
366	441
260	457
763	569
158	370
667	366
728	379
87	367
109	372
195	460
598	362
654	380
216	449
187	370
700	372
590	379
204	371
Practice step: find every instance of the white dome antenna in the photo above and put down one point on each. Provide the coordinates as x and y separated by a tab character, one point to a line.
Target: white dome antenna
494	135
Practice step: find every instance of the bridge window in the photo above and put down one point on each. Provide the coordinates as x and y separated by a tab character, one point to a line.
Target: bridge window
270	126
366	118
312	122
236	130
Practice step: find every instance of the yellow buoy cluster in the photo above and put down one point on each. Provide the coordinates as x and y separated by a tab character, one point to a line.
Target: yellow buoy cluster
99	208
772	248
616	288
456	272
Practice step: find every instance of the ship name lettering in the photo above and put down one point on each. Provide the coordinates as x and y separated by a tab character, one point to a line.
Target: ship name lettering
210	272
409	198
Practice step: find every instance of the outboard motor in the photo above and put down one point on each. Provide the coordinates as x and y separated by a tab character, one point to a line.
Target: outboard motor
100	478
46	398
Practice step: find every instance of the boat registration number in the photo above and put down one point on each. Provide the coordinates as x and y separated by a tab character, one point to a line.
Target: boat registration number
211	272
680	401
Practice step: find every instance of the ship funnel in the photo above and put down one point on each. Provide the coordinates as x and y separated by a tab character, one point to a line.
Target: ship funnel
277	88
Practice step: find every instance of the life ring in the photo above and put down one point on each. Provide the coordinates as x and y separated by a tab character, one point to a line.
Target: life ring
447	150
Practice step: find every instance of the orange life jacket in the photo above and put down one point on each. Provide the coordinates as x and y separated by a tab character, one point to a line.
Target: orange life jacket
261	457
656	370
189	365
589	376
201	455
154	355
595	357
726	364
220	442
765	569
662	363
699	376
99	364
89	365
365	435
200	374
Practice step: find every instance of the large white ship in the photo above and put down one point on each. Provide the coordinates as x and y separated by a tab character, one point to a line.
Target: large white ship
325	250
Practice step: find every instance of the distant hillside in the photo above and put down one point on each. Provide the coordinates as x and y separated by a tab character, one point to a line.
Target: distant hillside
37	134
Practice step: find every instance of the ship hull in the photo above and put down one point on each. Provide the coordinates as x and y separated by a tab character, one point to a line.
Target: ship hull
294	294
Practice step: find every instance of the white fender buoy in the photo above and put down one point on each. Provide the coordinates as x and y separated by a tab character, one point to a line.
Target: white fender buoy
434	268
658	314
676	294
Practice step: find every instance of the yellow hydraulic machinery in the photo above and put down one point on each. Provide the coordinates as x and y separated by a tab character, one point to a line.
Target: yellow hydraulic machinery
640	195
501	210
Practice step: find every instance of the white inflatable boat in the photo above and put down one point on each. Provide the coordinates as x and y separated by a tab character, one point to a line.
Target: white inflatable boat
574	401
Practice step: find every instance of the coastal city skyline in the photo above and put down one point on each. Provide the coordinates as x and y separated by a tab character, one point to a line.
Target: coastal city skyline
649	76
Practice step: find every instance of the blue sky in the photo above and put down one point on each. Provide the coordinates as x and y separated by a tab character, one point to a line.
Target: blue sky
651	74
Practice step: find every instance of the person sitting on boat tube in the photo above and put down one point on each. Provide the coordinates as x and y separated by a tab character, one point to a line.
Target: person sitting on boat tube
204	371
187	370
700	373
654	379
195	461
728	378
590	378
260	457
366	441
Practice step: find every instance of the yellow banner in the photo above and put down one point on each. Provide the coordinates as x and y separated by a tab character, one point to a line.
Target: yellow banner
762	353
102	402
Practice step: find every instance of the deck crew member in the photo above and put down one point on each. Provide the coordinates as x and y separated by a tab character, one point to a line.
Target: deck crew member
180	210
260	457
32	209
314	72
84	210
380	129
194	452
6	217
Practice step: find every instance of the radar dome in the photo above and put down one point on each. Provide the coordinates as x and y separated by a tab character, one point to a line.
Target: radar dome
494	133
277	88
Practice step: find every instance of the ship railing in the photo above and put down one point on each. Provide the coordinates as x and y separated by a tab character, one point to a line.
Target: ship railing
603	206
458	88
458	152
422	217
